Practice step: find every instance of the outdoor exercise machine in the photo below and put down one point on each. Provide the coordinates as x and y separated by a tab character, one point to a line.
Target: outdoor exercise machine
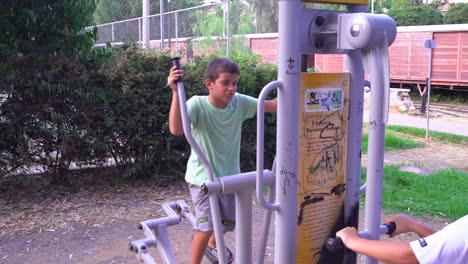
314	185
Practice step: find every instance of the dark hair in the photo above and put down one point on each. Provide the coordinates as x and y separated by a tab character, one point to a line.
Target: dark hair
220	65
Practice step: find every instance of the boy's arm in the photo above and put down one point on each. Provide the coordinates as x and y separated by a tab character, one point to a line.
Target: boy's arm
384	251
271	106
405	224
175	118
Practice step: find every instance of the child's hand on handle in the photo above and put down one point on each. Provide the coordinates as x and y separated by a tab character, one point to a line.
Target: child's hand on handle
405	224
174	75
347	235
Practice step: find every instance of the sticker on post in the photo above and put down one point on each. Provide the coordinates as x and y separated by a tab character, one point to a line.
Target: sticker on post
323	100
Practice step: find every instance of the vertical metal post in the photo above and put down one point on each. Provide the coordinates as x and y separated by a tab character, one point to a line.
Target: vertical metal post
112	34
244	225
228	31
139	31
161	21
354	65
287	133
177	32
430	44
375	162
169	24
146	24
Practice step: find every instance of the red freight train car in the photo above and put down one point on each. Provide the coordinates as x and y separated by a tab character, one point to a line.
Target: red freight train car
409	59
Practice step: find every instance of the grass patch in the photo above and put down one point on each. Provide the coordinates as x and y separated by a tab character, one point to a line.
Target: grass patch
393	141
421	133
443	193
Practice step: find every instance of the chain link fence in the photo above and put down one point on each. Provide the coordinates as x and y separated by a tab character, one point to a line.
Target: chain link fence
216	20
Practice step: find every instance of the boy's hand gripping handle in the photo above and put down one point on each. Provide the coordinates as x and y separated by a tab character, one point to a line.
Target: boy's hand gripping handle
335	243
176	62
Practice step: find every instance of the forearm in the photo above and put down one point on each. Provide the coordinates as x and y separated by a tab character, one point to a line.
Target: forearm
271	106
384	251
175	117
421	229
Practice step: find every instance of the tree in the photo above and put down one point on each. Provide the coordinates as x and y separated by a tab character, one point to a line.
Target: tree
42	78
415	15
47	27
266	14
458	14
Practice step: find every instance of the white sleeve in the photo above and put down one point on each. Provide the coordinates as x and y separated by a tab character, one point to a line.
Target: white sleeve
449	245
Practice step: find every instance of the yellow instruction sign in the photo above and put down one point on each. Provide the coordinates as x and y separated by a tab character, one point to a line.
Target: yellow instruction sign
322	161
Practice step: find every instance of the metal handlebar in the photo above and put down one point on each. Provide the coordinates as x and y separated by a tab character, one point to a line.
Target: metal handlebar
215	211
260	142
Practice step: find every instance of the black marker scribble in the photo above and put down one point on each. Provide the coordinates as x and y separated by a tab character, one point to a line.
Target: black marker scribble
325	159
308	200
337	190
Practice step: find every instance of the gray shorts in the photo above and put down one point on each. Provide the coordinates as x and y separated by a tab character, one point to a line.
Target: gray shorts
201	204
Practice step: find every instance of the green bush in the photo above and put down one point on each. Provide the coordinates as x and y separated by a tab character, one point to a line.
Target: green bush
41	78
415	15
114	105
457	14
133	103
64	102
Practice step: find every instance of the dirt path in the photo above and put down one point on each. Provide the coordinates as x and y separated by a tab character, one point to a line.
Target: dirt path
93	221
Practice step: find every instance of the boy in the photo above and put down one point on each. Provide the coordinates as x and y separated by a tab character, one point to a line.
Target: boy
449	245
216	122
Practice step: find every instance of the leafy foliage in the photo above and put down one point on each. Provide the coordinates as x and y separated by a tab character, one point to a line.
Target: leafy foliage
415	15
134	105
40	48
110	105
458	14
266	14
41	28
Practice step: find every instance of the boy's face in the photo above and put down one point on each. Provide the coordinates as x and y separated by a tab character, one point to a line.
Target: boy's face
222	90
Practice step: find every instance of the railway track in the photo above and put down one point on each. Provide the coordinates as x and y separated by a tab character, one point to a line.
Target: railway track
456	110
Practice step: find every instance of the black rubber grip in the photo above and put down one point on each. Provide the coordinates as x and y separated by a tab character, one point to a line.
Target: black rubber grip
333	244
176	62
391	226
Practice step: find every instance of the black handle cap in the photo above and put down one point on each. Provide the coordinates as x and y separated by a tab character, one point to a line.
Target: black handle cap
333	244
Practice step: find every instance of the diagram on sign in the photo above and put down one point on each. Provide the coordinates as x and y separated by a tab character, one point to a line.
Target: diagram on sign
320	100
322	149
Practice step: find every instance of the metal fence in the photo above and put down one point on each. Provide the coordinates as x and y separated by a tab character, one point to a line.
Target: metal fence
175	29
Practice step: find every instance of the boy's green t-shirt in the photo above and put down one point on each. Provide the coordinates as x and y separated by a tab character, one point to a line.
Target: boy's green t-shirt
218	132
